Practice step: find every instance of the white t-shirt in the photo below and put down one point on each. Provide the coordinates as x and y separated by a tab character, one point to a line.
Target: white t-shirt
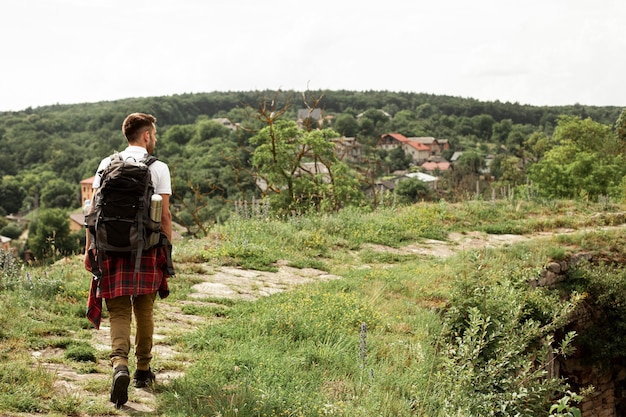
160	171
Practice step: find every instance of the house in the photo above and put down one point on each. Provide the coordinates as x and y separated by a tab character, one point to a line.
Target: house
86	190
455	156
430	180
390	141
432	166
77	222
381	187
305	169
420	148
347	149
5	243
435	146
418	151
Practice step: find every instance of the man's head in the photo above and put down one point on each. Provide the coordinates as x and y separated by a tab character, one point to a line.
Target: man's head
140	130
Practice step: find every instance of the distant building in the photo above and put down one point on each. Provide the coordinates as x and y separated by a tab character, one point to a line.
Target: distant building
226	123
77	222
347	149
420	149
390	141
455	156
432	166
86	190
435	146
430	180
5	243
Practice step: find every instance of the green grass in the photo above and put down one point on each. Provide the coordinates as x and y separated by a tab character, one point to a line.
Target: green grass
305	352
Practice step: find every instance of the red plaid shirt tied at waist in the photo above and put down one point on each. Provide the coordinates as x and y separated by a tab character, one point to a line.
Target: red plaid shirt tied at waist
118	276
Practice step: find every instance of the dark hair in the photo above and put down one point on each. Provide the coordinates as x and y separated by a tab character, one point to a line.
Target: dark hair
135	124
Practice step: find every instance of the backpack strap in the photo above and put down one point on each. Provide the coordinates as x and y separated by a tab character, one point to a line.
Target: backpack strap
148	160
167	249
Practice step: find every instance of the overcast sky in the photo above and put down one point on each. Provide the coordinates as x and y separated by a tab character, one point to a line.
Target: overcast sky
539	52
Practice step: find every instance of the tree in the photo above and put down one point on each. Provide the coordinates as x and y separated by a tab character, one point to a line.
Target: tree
620	131
346	125
510	171
33	182
59	193
536	146
585	161
11	230
500	131
469	163
49	235
398	159
585	134
11	194
300	170
483	126
412	190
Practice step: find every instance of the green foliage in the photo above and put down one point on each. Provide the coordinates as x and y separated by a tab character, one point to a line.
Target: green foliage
495	348
585	162
80	352
564	407
604	286
50	236
412	190
59	193
22	387
346	125
320	314
461	335
11	195
11	230
300	170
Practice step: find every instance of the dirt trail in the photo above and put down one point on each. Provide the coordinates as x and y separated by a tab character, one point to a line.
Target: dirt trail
224	282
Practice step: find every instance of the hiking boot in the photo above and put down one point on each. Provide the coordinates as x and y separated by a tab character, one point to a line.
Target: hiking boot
143	379
119	387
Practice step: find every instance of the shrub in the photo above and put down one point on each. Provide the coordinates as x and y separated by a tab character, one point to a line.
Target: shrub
11	230
494	350
80	352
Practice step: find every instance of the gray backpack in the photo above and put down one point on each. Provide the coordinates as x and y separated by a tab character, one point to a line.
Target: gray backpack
120	221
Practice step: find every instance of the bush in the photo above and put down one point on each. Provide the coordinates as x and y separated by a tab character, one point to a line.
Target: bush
12	231
494	350
80	352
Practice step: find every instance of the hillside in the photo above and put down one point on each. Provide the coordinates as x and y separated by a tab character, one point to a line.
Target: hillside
264	315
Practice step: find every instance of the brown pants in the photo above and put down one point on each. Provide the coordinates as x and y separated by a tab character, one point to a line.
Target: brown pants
120	312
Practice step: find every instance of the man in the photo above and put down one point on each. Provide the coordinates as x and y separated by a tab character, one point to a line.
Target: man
122	297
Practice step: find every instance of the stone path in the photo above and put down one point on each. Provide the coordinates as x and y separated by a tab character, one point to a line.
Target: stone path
226	282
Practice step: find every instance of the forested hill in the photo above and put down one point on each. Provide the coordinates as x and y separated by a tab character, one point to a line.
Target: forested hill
78	132
184	108
46	151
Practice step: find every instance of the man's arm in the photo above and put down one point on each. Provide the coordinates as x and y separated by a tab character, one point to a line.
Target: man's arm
86	260
166	217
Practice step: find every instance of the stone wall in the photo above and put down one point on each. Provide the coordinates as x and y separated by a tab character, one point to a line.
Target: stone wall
609	396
